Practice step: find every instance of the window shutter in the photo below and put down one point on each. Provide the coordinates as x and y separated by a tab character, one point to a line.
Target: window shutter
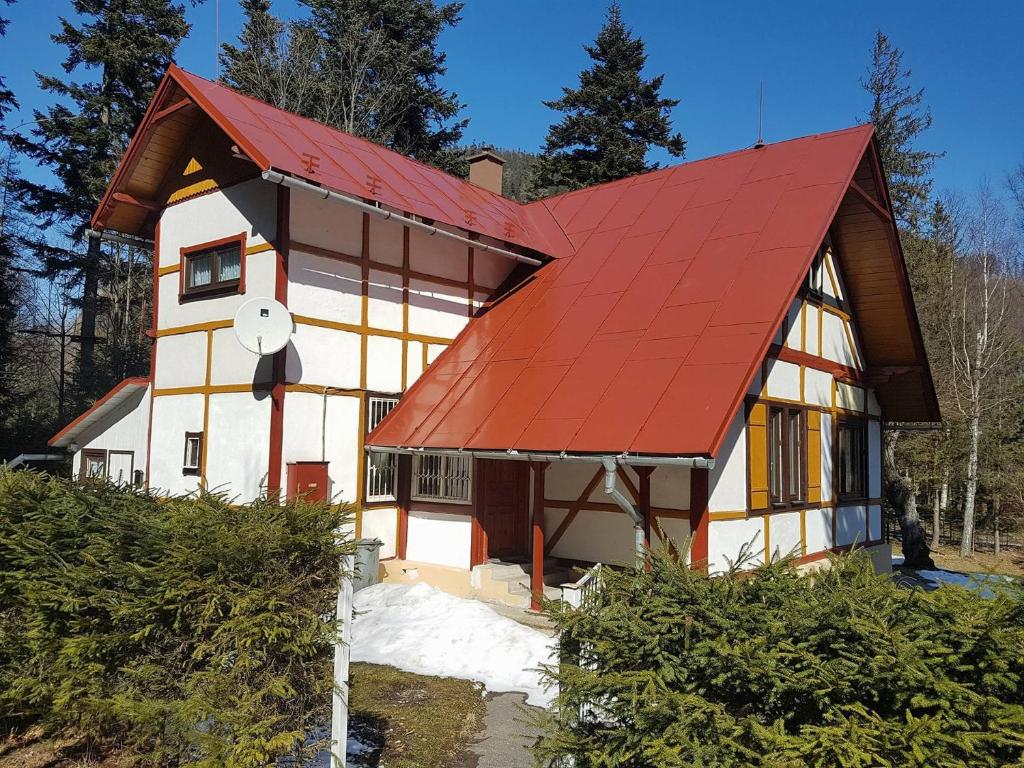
757	437
814	456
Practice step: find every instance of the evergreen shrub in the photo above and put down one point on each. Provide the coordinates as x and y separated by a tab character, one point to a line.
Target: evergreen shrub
182	630
772	668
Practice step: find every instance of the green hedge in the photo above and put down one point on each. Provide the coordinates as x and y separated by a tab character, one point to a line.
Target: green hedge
183	630
844	668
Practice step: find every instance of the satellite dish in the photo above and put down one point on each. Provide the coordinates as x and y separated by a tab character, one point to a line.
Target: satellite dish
263	326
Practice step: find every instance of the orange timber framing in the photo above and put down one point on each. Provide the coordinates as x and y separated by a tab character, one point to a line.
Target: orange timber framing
278	386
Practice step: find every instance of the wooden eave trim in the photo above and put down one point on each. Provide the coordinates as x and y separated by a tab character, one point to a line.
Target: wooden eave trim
176	107
225	125
868	200
903	279
134	151
124	197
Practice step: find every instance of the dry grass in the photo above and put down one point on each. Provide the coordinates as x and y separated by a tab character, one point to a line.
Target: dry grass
410	721
1009	562
414	721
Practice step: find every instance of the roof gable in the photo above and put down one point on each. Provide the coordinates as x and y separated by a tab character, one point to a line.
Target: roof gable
646	335
277	140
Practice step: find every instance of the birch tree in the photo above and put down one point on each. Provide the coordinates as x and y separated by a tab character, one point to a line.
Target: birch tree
980	335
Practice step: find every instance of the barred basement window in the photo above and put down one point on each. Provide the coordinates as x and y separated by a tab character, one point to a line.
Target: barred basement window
442	477
381	468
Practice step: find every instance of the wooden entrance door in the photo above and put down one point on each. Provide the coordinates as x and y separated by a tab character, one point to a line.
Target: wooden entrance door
505	510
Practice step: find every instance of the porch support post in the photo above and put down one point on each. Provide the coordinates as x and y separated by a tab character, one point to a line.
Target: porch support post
404	493
537	571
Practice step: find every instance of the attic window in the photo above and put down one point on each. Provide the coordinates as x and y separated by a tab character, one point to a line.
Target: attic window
816	277
213	268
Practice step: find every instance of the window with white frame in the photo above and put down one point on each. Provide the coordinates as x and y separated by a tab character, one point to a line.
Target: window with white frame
442	477
193	453
381	468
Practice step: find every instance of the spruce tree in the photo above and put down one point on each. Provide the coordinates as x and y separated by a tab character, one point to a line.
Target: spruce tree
368	67
385	53
256	66
900	117
122	47
12	278
612	119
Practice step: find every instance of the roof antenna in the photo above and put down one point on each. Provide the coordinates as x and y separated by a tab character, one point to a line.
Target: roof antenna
760	120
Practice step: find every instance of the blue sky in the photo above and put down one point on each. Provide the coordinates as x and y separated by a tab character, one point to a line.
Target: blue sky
505	57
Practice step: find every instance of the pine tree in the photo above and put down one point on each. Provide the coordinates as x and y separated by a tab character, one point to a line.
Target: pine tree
899	117
128	44
612	119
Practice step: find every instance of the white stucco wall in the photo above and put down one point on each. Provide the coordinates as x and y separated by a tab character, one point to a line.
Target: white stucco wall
309	437
237	444
784	534
728	538
382	523
819	530
173	416
727	482
441	538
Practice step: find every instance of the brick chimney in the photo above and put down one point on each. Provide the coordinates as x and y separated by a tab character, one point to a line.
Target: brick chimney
485	169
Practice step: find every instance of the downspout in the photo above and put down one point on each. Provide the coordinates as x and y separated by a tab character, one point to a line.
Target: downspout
639	524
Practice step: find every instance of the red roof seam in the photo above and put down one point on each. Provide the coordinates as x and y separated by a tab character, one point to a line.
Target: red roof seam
637	342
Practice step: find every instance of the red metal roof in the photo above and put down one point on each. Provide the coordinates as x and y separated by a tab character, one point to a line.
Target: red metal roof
646	335
279	140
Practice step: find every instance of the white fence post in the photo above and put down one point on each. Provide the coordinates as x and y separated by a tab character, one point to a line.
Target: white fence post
342	649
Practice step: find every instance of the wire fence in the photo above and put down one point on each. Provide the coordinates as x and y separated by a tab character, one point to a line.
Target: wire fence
951	533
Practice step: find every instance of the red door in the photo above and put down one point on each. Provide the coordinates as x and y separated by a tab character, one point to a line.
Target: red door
308	479
505	509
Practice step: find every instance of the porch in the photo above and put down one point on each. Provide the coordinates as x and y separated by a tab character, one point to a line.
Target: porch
515	528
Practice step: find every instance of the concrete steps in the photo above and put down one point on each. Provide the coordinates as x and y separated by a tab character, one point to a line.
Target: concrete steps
509	583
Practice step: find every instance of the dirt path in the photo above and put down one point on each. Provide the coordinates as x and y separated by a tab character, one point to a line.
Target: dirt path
506	737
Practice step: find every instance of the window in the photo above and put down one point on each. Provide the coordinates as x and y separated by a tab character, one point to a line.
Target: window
816	277
853	459
787	456
381	468
214	268
193	453
94	464
442	477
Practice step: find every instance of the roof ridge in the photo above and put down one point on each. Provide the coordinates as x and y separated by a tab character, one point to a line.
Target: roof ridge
362	139
719	156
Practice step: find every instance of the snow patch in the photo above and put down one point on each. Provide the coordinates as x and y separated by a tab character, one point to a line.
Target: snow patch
423	630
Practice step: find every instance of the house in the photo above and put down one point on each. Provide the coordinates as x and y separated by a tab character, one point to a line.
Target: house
706	351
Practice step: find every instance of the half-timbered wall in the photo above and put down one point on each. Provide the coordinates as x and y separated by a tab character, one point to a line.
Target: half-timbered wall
373	303
816	366
582	523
